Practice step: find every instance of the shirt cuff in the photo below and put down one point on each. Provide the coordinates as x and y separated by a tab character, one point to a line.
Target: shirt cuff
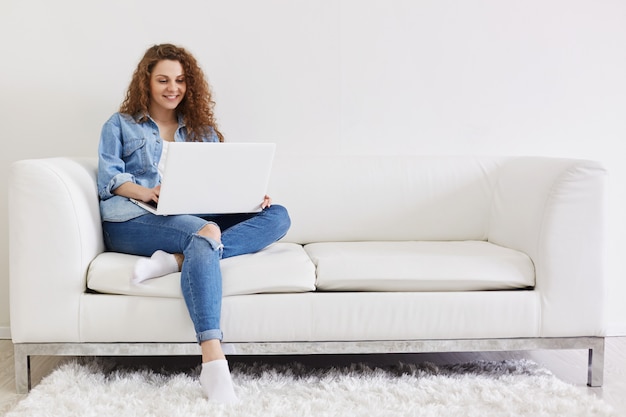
115	182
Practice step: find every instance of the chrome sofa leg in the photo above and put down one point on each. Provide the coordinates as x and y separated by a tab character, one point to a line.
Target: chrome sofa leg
22	369
595	372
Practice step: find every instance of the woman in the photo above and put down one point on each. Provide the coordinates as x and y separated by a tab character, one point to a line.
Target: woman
169	100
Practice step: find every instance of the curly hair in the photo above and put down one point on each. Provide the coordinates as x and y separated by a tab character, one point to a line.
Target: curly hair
196	107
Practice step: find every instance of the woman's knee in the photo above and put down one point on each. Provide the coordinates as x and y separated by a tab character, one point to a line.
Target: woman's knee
281	218
211	231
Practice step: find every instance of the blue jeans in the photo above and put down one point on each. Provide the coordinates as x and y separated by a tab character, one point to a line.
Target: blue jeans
201	277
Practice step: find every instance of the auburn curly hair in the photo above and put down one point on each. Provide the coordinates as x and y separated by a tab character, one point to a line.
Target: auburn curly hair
197	105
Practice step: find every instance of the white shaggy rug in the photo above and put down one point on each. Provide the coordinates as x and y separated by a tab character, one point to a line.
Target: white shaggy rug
509	388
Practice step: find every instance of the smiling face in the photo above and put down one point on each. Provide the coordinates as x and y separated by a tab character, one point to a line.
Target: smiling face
167	87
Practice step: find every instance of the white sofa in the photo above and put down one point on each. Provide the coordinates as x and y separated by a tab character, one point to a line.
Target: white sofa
385	254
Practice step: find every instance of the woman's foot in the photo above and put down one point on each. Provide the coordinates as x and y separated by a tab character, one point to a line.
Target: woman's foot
159	264
216	382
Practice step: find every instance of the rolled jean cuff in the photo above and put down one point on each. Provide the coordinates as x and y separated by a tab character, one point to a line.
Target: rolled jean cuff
210	335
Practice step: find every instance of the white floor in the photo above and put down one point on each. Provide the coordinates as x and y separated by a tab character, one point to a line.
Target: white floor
568	365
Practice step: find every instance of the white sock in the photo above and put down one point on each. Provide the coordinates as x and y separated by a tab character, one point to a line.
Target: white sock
217	383
159	264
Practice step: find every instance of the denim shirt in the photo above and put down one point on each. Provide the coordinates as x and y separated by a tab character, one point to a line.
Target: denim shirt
129	151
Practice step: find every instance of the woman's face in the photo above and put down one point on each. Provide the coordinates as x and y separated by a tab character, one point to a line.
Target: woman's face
167	85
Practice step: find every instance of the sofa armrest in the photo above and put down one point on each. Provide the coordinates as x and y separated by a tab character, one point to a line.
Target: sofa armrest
554	210
54	233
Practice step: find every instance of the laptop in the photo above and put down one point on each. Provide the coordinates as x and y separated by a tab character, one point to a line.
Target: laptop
213	178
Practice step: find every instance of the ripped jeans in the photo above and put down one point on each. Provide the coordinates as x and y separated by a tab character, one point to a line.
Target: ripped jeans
201	277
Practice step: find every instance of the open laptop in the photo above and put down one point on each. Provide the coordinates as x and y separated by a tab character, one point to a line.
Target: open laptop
213	178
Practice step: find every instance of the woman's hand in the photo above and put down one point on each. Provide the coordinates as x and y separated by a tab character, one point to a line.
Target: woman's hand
151	194
137	192
267	201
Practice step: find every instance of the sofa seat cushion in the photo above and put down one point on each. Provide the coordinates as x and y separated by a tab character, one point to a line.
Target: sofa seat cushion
279	268
419	266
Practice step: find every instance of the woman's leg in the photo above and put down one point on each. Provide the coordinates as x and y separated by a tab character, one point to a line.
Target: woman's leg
201	279
215	375
252	233
199	242
249	233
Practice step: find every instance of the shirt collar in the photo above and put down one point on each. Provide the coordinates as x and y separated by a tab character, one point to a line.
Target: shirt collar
145	116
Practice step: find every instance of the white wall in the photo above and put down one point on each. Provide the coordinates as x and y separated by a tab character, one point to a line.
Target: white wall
545	77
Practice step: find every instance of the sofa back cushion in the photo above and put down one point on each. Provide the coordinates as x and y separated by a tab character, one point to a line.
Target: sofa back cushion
384	198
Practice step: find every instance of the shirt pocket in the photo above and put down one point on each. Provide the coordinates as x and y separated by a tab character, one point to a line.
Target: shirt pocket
135	156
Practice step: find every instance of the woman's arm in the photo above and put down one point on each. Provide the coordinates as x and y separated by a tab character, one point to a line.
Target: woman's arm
138	192
112	176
